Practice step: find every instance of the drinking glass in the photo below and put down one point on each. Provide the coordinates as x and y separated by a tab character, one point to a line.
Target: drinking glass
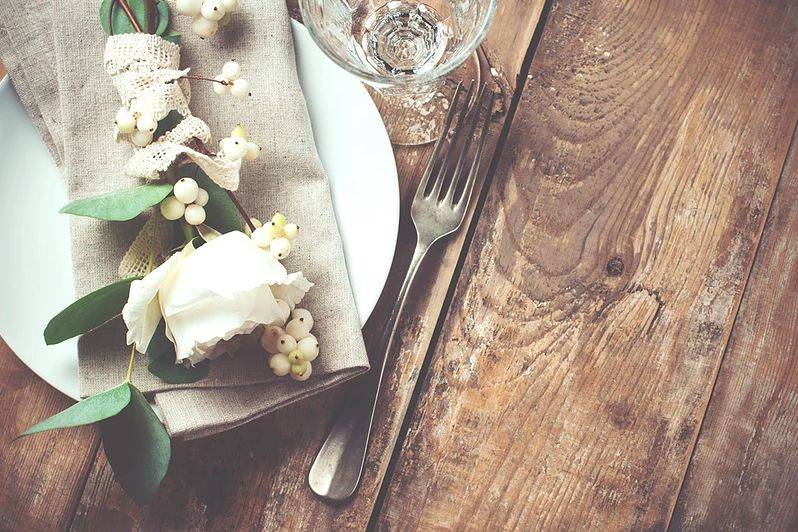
406	50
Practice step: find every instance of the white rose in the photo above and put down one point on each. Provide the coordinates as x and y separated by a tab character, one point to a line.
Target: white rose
225	288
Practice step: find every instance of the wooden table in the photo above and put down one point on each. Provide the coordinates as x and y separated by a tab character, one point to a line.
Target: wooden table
611	343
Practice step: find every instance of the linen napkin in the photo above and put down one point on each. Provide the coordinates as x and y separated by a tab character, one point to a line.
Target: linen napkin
42	41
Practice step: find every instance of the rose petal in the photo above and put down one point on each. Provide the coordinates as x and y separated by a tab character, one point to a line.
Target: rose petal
142	313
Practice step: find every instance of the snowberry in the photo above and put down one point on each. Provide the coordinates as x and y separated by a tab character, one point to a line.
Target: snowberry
146	123
186	190
279	219
141	138
202	197
261	237
203	27
280	248
239	131
231	70
275	230
125	121
253	151
221	88
285	310
303	316
286	343
268	339
295	357
172	208
240	89
309	347
230	5
190	8
297	328
195	214
279	364
212	10
301	372
291	231
234	148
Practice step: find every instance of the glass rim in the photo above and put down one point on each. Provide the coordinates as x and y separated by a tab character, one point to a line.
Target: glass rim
413	79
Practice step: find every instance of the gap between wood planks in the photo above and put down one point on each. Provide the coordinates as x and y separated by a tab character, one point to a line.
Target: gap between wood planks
520	84
743	291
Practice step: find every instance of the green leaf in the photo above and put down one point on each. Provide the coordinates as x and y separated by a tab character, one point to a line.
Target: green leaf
105	15
220	212
120	205
90	410
137	447
167	123
162	10
172	36
114	21
88	312
161	361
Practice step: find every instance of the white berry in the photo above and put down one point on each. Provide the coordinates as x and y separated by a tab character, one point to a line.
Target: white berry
186	190
261	237
286	343
279	219
239	131
280	248
309	347
195	214
221	88
253	151
291	231
279	364
240	89
212	10
203	27
234	148
202	197
172	208
297	328
269	338
303	316
189	8
285	310
146	122
295	357
140	138
231	70
125	121
301	372
230	5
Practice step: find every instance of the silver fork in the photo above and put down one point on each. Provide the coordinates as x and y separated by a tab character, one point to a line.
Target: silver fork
438	210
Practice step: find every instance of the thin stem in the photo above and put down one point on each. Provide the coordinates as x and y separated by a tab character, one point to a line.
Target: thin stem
130	364
129	13
201	78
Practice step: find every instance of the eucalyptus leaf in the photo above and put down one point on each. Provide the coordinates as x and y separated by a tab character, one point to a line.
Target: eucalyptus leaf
172	36
115	21
120	205
220	212
162	10
88	312
90	410
161	361
137	447
167	123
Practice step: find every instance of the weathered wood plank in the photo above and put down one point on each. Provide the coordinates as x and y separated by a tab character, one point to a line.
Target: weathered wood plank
255	477
744	471
42	476
586	331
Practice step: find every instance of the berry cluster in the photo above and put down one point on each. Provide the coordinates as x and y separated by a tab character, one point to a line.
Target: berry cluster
231	82
237	147
188	201
277	236
139	126
292	348
208	14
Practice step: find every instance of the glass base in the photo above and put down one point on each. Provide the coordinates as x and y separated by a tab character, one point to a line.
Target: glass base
416	117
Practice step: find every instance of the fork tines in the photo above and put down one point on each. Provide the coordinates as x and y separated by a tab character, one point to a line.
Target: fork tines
444	178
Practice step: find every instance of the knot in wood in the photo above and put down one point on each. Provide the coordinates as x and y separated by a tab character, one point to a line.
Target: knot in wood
615	267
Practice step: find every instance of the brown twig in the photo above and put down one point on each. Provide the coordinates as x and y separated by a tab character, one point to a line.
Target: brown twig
129	13
200	78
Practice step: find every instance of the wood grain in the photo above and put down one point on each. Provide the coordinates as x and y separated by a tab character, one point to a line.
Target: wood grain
586	331
41	476
744	471
255	477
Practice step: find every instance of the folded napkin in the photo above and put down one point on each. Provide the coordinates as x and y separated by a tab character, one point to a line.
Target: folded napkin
54	54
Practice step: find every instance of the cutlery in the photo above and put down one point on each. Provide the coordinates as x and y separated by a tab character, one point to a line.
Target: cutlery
438	210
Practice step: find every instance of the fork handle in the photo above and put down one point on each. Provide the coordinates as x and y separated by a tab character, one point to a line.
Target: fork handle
336	472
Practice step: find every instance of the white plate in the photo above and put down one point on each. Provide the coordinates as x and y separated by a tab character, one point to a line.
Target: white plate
35	269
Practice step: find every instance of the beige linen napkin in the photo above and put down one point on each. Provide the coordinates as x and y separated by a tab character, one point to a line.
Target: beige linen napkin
75	118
